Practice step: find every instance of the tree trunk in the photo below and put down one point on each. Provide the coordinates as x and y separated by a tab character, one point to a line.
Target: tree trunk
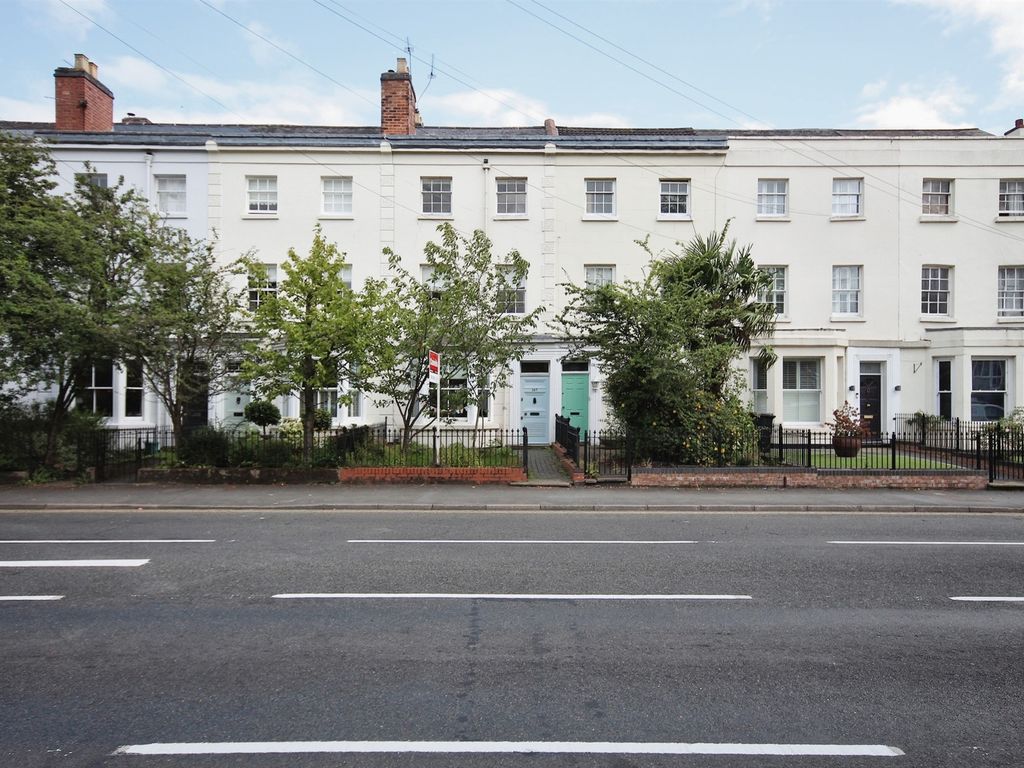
56	421
308	422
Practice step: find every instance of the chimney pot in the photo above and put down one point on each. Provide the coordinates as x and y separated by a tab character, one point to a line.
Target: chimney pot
1019	123
81	62
403	65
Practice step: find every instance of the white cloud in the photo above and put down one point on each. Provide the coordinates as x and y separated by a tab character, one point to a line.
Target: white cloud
65	18
502	107
913	107
30	111
1005	19
873	90
260	50
131	72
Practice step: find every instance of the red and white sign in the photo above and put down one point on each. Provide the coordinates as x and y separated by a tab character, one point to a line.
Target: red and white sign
434	366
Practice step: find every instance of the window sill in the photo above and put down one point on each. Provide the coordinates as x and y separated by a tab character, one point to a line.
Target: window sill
937	219
335	217
604	217
1009	219
165	215
782	319
847	218
257	216
435	217
1010	319
847	319
674	217
937	319
511	217
763	217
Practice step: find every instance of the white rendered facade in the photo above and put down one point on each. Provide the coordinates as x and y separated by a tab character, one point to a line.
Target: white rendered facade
898	255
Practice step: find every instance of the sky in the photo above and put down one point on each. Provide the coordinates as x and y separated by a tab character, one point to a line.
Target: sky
616	63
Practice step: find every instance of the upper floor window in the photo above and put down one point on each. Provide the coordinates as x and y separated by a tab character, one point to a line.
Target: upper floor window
262	286
772	197
776	293
92	179
512	298
261	194
437	195
1011	292
598	275
1011	197
935	290
432	283
337	195
675	198
170	195
600	197
846	290
847	197
937	197
511	197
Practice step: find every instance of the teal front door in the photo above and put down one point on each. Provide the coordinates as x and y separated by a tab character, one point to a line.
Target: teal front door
533	408
576	400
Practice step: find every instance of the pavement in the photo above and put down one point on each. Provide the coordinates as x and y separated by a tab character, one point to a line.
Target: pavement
501	497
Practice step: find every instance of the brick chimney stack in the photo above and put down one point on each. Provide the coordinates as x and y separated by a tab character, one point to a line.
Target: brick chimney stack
83	102
398	115
1017	130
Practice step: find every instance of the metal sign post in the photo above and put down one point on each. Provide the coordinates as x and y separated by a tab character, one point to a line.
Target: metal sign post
434	376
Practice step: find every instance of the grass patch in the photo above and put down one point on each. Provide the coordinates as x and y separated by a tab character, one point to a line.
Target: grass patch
871	459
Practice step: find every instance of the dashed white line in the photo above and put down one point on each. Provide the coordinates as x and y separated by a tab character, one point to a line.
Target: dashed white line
939	543
489	596
517	541
29	598
507	747
107	541
72	563
986	599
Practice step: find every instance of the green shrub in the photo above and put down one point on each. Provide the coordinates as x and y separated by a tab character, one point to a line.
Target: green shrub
321	419
250	452
205	447
262	413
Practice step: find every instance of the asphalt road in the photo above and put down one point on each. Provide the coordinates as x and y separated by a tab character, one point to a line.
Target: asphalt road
726	632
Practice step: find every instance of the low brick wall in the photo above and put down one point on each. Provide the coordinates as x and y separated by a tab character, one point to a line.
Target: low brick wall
470	475
795	477
238	475
13	477
575	474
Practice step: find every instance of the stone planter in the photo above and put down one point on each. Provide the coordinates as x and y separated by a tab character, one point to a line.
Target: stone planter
846	446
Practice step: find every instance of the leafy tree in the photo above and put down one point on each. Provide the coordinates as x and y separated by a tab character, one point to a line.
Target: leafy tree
466	311
308	334
262	413
70	274
185	328
668	343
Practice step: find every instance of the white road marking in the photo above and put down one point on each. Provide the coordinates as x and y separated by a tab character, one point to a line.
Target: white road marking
505	747
489	596
941	543
983	599
72	563
512	541
108	541
28	598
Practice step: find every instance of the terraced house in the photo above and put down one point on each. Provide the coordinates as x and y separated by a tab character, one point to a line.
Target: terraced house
897	256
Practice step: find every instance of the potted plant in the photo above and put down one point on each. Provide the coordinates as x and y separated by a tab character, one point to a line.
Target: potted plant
847	431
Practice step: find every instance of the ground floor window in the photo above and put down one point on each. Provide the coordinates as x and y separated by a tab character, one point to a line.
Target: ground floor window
133	389
454	398
759	385
95	387
801	390
988	390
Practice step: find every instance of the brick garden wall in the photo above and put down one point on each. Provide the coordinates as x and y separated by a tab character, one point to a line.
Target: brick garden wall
471	475
789	477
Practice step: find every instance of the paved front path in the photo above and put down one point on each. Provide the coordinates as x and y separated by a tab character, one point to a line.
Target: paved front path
544	467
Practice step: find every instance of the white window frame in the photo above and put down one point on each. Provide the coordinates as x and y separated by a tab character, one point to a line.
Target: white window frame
1011	198
601	198
759	385
436	193
134	387
262	287
261	195
847	198
937	197
510	197
777	294
598	275
978	374
772	198
939	391
1010	292
513	300
97	390
804	376
936	290
336	196
171	194
847	290
674	199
